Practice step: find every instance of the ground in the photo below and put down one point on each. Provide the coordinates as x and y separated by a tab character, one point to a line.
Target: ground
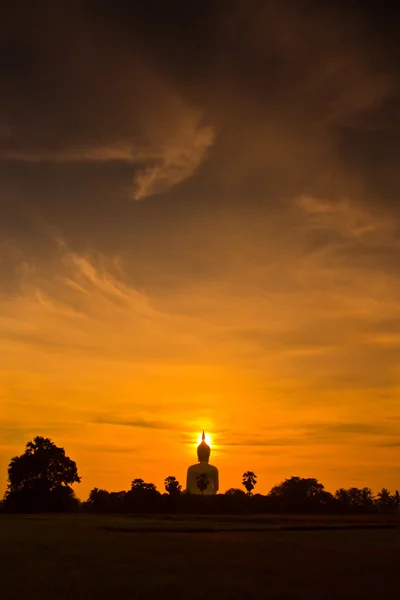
81	557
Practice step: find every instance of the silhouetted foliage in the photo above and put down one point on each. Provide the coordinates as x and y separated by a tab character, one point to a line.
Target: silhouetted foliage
356	500
172	486
293	495
138	485
202	482
386	502
63	499
143	497
99	500
40	479
298	494
249	481
235	492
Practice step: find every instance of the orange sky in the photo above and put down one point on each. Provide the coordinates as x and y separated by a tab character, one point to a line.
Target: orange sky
201	234
286	383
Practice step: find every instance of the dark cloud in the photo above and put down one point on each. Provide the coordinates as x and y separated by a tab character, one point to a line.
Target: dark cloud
90	97
102	104
91	83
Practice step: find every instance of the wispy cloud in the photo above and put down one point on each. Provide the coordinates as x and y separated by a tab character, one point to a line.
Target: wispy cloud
389	443
149	126
360	428
258	294
176	159
156	167
137	423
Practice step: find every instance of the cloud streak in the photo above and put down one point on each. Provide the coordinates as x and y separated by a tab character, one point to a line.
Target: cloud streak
137	423
157	167
137	118
255	290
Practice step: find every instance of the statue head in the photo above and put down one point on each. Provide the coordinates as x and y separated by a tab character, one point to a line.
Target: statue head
203	450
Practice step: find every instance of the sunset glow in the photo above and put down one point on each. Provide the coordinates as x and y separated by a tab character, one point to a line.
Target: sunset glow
207	439
201	234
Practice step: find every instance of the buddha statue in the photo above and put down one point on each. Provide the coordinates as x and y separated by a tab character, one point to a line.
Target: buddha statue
202	478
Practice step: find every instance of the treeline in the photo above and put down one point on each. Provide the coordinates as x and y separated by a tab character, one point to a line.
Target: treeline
40	480
294	495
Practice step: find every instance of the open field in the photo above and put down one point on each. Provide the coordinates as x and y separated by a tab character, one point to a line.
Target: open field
59	557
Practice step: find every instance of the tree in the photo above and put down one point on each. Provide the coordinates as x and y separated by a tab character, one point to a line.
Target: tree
40	479
396	501
355	500
139	485
103	501
63	499
202	482
344	498
367	499
235	493
99	500
384	500
172	486
387	502
301	494
249	481
142	497
117	501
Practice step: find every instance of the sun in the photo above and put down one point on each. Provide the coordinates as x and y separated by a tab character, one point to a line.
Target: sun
208	438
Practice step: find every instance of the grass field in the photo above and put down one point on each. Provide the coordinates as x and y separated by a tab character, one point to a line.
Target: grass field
58	557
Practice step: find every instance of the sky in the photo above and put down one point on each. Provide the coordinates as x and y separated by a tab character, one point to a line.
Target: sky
200	228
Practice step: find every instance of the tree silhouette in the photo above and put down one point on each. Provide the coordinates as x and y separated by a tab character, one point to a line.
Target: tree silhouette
172	486
40	478
142	497
387	502
367	498
249	481
235	492
103	501
202	482
358	500
300	494
384	500
99	500
396	500
138	485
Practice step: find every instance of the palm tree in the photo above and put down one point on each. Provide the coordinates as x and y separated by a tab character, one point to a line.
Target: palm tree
202	482
249	480
384	500
384	495
396	500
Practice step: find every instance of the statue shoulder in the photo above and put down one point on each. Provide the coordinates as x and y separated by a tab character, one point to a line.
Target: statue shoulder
193	467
